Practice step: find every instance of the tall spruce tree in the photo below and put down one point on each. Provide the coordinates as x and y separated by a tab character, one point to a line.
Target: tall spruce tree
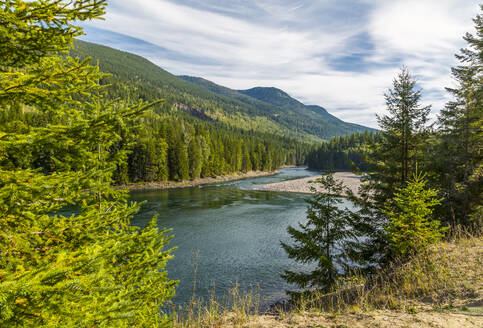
90	268
402	132
391	161
460	152
322	239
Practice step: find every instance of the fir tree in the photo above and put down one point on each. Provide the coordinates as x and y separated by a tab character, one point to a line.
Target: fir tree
391	161
403	131
411	228
195	158
322	240
91	268
458	160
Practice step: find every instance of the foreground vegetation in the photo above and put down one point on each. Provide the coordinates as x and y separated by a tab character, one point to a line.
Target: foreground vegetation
442	287
87	269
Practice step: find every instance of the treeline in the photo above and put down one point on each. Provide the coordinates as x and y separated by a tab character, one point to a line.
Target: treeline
181	149
177	147
422	181
342	153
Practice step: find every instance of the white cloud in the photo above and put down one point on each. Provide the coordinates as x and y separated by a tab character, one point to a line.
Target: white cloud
287	45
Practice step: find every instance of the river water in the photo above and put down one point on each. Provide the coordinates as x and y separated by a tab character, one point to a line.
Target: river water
228	233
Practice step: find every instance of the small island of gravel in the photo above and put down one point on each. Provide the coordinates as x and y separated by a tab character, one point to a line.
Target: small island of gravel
350	180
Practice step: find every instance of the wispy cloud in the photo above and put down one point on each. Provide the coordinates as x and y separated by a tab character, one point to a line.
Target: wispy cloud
342	56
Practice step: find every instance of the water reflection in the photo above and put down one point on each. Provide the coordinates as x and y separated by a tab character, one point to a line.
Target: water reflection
235	230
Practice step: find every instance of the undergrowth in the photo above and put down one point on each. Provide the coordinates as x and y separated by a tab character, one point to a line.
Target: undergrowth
444	276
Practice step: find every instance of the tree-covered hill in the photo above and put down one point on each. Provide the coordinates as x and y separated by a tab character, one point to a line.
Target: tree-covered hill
194	133
135	77
280	107
203	129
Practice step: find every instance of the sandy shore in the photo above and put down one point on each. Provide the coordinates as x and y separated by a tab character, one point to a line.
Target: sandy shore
193	183
303	185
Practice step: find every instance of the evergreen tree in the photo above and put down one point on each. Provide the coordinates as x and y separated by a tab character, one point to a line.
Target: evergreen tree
391	161
91	268
458	160
403	132
195	158
322	240
411	228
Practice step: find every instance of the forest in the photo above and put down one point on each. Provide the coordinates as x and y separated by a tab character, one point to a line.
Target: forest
69	133
343	153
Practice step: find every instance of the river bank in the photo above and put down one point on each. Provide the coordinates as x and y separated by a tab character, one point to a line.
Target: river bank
160	185
350	180
441	288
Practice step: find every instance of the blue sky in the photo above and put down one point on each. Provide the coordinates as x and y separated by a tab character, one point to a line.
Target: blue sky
341	55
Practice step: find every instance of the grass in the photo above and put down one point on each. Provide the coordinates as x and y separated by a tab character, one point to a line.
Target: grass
442	287
234	310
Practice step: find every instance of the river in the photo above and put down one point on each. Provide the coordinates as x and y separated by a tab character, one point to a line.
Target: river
230	232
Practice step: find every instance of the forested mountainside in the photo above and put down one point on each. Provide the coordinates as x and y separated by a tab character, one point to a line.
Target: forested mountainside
194	133
343	153
136	77
279	106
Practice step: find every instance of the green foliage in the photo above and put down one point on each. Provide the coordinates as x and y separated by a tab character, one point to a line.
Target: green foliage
457	158
411	228
390	161
220	135
322	240
402	132
57	141
342	153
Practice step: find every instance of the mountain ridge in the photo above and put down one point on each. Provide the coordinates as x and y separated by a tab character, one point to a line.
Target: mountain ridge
276	98
209	100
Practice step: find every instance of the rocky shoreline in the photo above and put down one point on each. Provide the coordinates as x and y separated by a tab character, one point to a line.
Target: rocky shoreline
350	180
159	185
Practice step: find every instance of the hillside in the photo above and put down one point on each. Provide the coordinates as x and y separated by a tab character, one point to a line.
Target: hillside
279	106
136	77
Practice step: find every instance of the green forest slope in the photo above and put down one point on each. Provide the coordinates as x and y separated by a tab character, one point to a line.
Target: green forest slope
135	77
277	105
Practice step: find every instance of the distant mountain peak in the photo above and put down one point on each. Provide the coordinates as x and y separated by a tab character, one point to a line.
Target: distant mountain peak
271	95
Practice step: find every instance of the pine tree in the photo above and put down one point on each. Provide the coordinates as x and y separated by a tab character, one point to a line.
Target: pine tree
411	228
460	157
403	132
391	161
195	158
322	240
90	268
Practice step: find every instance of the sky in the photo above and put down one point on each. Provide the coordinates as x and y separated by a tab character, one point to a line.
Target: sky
342	55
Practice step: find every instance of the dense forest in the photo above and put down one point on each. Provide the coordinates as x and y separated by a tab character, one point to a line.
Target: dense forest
343	153
177	149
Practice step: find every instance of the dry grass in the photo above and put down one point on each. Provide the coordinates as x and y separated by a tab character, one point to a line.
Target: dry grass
440	288
234	311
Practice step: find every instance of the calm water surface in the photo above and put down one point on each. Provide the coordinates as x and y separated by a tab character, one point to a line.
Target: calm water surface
230	231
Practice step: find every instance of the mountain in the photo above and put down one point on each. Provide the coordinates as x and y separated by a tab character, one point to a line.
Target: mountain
281	99
279	106
266	110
